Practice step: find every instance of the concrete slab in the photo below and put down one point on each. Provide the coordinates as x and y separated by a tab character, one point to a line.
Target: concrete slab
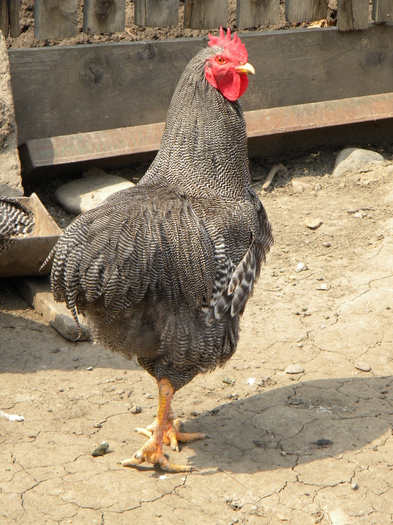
36	291
81	195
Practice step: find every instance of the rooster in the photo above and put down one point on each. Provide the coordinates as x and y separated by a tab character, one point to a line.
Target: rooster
163	270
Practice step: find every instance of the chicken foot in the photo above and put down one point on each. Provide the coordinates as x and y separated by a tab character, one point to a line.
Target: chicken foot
165	429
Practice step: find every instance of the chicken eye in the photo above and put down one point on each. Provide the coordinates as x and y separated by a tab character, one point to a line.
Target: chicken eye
220	60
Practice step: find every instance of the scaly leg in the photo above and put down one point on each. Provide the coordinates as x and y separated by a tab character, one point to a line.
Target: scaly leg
164	429
172	433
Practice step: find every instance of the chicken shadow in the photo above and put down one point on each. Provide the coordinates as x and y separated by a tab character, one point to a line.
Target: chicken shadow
295	424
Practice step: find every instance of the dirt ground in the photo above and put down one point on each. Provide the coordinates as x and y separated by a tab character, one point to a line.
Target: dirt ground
314	447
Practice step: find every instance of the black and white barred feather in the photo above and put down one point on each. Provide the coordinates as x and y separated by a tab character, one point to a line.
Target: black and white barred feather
15	219
163	270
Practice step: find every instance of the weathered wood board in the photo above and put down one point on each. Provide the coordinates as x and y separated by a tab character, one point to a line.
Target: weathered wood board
382	11
104	17
14	18
156	12
352	14
55	19
4	17
205	14
253	13
305	10
98	87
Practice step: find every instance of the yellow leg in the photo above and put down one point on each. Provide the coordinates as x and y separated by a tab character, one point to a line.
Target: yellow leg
165	429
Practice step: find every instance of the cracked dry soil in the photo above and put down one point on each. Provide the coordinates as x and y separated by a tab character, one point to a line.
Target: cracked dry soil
307	448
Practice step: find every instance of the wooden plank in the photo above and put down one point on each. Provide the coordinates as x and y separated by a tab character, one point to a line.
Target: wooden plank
205	14
104	17
254	13
352	14
305	10
156	13
14	18
96	87
55	19
4	18
382	10
109	144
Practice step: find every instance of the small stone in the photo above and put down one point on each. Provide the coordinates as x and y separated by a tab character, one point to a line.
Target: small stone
136	409
326	244
101	450
294	369
301	267
323	286
364	367
360	214
355	486
312	223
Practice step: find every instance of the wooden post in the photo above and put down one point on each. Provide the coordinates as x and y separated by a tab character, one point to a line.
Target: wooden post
305	10
382	10
352	14
55	19
253	13
4	20
104	16
205	14
14	18
157	12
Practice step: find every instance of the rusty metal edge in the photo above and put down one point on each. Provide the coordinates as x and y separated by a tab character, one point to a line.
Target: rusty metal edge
131	141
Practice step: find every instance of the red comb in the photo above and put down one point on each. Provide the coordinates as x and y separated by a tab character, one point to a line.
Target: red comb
233	45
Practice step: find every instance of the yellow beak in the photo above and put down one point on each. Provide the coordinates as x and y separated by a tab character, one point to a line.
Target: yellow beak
246	68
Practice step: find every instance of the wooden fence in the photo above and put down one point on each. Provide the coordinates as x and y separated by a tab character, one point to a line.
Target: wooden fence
58	18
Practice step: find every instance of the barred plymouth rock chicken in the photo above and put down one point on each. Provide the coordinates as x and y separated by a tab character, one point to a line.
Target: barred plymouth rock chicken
163	270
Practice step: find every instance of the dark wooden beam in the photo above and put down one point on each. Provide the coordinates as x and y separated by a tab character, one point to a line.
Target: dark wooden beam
98	87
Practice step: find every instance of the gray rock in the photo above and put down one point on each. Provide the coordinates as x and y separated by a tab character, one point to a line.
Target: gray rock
355	160
81	195
294	369
364	367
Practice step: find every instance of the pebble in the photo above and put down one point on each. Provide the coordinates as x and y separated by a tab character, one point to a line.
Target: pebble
301	267
136	409
355	486
364	367
356	160
313	224
101	450
323	286
81	195
294	369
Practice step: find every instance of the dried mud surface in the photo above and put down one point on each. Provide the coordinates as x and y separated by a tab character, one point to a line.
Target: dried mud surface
314	447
